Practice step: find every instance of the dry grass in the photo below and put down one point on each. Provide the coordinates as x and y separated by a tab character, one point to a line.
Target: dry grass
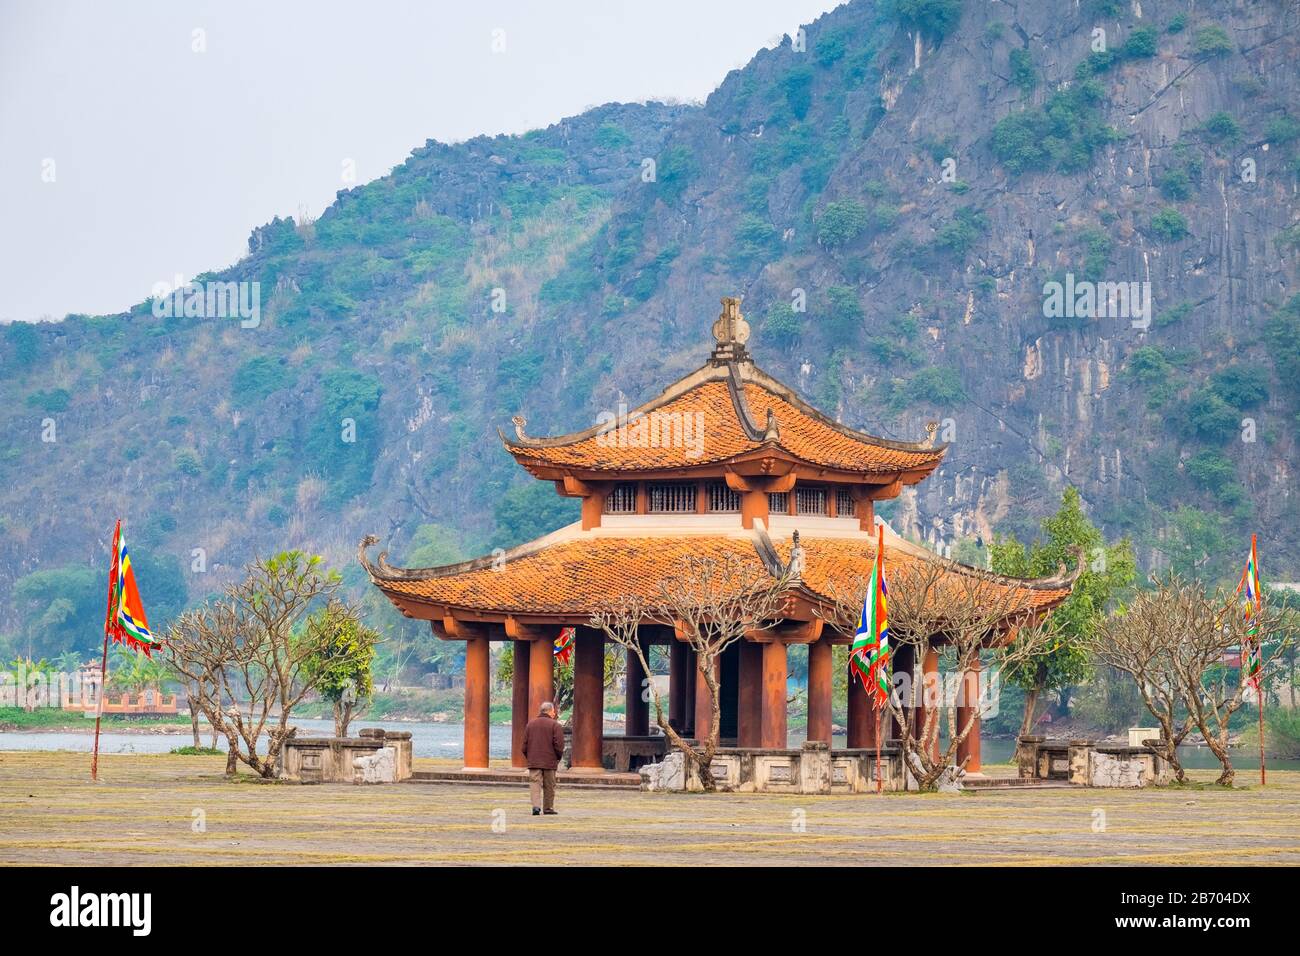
142	812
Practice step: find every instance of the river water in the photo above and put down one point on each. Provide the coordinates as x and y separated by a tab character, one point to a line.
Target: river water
447	739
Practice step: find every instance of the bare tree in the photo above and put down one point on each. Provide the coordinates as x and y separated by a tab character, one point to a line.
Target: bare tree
710	604
1143	642
935	605
1175	639
247	649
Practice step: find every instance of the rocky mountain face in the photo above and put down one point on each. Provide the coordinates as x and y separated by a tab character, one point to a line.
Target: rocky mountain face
896	192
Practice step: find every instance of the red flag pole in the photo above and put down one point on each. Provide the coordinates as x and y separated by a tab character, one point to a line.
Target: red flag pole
880	562
1259	684
103	663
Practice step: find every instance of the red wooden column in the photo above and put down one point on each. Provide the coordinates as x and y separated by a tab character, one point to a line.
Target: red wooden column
541	674
861	718
679	684
703	701
775	733
476	703
636	710
519	714
588	699
819	691
749	695
970	701
928	697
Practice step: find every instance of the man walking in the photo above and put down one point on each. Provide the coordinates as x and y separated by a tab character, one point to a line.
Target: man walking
543	748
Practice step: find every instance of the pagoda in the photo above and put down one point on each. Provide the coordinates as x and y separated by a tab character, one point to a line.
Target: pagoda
727	462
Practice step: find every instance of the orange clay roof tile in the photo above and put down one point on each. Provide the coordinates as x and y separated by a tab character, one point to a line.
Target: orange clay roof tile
716	434
574	576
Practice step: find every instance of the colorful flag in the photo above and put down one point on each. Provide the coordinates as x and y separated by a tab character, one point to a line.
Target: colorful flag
1252	603
563	649
125	620
869	656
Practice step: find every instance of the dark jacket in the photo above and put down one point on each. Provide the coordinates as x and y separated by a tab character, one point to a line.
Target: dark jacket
543	743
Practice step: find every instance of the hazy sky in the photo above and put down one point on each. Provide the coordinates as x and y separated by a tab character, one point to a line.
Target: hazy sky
128	157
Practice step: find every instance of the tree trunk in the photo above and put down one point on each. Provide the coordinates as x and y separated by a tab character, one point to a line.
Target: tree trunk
1031	705
194	722
232	758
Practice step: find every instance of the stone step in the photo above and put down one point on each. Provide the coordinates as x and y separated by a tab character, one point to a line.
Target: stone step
515	778
1013	783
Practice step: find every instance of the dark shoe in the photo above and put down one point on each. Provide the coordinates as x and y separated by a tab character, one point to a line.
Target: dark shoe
550	813
537	811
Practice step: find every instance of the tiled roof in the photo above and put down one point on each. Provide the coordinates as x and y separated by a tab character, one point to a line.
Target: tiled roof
574	576
800	431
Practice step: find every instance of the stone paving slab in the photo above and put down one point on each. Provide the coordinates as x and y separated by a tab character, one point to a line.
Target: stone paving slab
144	809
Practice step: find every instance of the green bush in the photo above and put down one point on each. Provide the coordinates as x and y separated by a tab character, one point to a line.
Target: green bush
1022	70
1240	386
1211	41
1141	43
1175	184
935	18
796	86
1177	24
1168	225
841	222
1063	133
959	235
782	326
1282	129
1221	128
257	378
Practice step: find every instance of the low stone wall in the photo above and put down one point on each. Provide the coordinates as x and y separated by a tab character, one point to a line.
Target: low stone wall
813	768
1086	763
334	759
624	753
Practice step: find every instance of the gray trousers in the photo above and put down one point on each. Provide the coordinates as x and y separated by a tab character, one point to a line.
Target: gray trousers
541	787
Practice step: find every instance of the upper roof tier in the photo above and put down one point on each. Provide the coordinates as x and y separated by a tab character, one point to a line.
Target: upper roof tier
727	415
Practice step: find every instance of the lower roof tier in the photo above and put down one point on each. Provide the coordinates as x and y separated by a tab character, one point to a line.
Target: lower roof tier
566	576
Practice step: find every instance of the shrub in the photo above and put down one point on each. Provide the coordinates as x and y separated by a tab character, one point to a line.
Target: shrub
1211	41
1175	184
782	326
1211	470
1022	70
1168	225
1221	128
1239	386
1282	129
1063	133
1178	24
936	18
796	85
1141	43
186	461
841	221
958	236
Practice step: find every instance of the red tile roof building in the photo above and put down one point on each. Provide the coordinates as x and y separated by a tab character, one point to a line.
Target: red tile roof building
727	462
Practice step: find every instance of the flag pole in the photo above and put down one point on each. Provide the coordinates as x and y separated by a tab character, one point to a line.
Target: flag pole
103	662
880	563
1259	684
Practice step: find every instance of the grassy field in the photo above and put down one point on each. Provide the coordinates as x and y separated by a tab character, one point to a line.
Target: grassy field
144	809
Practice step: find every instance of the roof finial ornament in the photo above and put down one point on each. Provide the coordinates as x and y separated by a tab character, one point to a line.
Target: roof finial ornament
930	429
519	422
796	558
731	332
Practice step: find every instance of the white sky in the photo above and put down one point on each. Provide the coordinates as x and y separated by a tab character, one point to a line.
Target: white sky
164	159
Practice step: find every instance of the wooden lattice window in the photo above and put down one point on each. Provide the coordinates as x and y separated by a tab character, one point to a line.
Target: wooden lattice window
722	498
621	500
844	503
778	502
672	499
810	501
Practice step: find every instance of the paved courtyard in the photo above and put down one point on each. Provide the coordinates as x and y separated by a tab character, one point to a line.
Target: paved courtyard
146	809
